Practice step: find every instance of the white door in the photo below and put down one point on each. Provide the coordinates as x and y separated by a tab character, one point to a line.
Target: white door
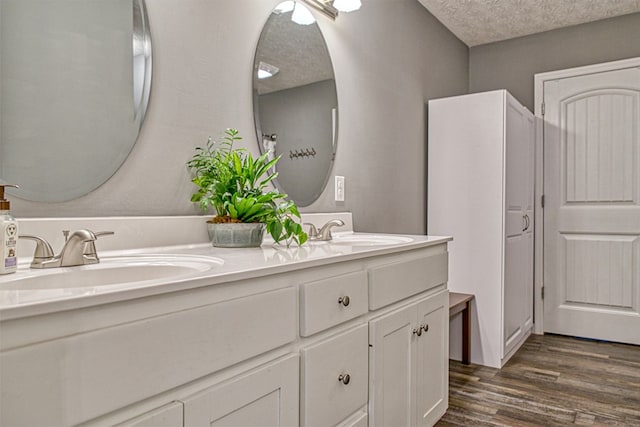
592	212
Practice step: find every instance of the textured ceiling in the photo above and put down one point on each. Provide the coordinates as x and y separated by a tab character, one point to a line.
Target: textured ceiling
478	22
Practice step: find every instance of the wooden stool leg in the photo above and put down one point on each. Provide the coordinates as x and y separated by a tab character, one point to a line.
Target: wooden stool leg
466	337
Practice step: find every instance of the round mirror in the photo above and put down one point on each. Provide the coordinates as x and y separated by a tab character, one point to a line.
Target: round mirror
74	87
295	101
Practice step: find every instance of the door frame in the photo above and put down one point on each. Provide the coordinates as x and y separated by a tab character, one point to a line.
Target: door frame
539	80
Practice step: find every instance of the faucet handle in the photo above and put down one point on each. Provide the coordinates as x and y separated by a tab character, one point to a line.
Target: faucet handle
43	250
104	233
313	231
90	246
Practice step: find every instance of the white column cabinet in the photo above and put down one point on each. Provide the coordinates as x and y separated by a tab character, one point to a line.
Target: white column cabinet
481	191
408	356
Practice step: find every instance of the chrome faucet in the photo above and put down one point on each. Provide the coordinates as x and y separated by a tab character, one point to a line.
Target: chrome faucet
324	233
79	249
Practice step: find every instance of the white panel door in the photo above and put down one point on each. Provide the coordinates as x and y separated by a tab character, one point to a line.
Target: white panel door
592	212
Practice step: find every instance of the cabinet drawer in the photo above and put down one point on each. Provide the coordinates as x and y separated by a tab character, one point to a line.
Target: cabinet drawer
328	302
393	282
326	400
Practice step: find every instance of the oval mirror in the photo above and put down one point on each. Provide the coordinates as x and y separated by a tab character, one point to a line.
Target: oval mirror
74	87
295	101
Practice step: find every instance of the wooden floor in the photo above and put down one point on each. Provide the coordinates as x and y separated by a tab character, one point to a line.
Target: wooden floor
551	381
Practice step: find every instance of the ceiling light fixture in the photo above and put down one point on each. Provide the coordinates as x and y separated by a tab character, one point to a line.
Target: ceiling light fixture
284	7
329	8
347	5
301	15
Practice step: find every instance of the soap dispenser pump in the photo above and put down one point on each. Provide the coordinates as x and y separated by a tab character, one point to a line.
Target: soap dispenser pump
8	235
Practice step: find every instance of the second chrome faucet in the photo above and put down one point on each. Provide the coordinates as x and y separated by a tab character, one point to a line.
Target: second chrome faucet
79	249
324	233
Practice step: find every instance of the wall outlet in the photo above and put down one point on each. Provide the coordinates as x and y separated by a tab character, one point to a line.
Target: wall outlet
339	191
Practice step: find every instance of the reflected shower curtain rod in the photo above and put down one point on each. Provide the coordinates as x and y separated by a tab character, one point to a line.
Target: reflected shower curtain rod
323	6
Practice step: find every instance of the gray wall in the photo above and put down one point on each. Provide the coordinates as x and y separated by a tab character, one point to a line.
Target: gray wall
301	117
389	59
511	64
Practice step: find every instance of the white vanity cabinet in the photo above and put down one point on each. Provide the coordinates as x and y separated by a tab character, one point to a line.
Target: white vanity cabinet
409	358
481	191
330	343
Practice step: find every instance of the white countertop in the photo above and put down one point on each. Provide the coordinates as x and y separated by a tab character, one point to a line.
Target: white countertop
231	265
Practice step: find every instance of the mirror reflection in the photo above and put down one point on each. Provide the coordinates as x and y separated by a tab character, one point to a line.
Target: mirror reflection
295	101
75	77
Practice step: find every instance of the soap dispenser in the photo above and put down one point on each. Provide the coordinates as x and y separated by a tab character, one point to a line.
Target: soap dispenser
8	235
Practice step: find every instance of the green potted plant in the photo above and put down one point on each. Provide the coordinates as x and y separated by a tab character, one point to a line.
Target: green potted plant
236	185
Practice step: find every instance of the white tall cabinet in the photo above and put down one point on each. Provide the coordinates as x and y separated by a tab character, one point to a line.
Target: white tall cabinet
481	191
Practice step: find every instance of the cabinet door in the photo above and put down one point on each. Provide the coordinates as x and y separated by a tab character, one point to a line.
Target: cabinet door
432	359
390	368
267	396
529	236
334	378
518	277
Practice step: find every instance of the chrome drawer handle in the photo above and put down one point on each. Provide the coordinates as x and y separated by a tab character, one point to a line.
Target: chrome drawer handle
345	300
425	327
344	379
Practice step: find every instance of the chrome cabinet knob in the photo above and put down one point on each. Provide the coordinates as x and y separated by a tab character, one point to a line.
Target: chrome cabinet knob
345	300
344	378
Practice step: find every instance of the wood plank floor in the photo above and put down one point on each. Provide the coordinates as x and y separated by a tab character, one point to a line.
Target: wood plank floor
551	381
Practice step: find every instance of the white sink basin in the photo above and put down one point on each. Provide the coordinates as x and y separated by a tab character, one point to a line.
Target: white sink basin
113	271
363	239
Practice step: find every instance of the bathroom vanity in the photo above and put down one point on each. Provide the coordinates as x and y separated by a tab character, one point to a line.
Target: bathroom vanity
352	332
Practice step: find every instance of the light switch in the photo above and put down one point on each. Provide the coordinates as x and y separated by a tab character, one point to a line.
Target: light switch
339	191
